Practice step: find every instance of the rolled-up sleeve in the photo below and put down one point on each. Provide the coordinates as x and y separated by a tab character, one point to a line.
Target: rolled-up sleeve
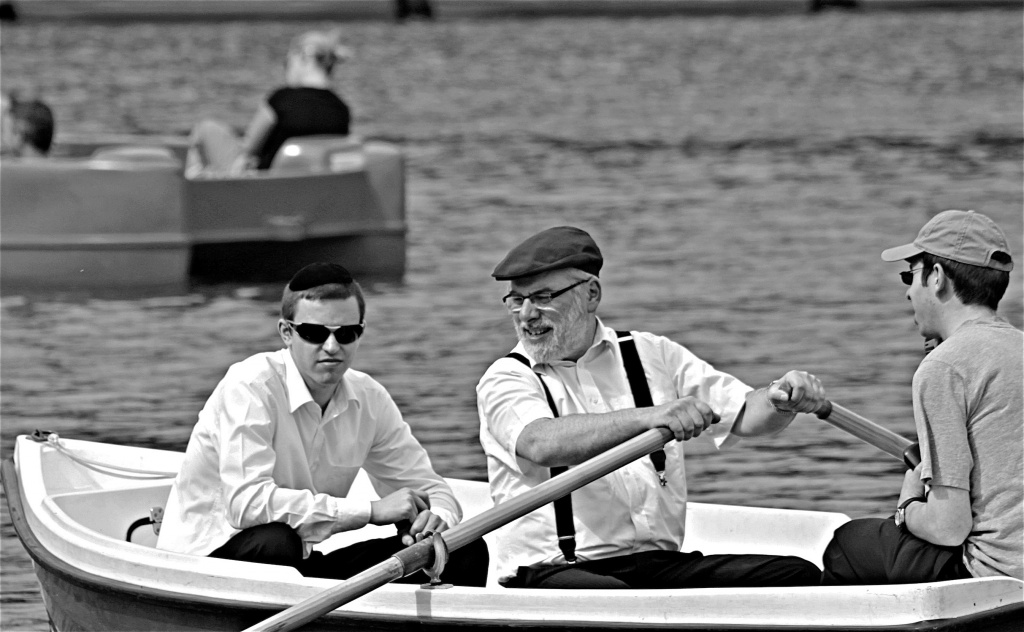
694	377
509	397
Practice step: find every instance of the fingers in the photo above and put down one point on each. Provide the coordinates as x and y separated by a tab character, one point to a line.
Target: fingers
797	392
404	504
688	417
425	524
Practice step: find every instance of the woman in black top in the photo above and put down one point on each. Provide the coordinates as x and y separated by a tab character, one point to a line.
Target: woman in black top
305	106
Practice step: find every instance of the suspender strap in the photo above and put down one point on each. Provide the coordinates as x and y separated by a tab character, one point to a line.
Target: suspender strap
563	506
641	392
641	398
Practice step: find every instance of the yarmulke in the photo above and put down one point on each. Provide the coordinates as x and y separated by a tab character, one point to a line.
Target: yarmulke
316	274
551	249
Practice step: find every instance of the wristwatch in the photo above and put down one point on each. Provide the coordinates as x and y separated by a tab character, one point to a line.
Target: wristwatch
901	511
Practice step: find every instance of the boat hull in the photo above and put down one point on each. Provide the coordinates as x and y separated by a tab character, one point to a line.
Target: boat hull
96	581
118	215
63	229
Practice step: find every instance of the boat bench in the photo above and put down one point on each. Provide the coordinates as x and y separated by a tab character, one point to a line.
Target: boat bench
112	512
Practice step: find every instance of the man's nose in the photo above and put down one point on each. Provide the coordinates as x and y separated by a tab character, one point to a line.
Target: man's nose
331	345
528	311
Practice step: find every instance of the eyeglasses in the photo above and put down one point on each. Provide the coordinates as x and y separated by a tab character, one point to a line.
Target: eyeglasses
514	302
318	334
907	276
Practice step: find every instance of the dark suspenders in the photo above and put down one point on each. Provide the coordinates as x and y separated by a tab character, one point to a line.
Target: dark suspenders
641	398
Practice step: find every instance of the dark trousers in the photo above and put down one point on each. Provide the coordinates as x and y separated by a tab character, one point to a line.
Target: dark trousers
672	569
876	551
278	543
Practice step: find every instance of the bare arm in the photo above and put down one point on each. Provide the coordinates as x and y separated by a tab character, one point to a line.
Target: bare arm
255	136
573	439
945	518
769	410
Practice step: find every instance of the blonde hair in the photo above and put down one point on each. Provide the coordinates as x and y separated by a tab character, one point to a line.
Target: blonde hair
324	47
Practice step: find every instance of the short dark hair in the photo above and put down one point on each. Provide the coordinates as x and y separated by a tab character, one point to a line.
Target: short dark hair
34	123
290	298
973	285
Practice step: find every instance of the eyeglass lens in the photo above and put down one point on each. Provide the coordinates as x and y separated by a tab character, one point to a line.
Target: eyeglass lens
907	276
318	334
537	298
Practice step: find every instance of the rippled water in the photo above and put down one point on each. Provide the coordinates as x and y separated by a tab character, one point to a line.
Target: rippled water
740	174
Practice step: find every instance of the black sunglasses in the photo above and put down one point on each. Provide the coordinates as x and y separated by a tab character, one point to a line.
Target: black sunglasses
907	276
318	334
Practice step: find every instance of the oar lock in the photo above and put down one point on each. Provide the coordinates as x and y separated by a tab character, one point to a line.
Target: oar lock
440	560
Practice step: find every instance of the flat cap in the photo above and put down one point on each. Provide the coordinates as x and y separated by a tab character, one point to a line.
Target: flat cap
317	274
552	249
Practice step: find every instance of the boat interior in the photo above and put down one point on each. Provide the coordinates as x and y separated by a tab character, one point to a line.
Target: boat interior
128	512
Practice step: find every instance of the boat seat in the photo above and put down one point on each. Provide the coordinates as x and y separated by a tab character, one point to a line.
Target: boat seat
114	512
147	154
318	154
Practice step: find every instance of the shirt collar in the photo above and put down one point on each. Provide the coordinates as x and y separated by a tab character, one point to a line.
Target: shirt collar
298	392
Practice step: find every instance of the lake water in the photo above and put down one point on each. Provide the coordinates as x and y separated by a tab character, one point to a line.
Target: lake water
741	175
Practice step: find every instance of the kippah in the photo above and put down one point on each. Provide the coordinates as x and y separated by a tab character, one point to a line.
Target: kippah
316	274
552	249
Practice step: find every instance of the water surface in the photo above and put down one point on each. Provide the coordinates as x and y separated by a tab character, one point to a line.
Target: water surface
741	175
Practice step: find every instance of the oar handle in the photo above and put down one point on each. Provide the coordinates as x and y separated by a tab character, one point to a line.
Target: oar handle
419	555
870	432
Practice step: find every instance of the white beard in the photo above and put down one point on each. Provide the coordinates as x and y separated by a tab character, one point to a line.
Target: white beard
569	332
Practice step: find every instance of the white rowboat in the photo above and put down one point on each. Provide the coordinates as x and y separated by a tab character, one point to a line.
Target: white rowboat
73	503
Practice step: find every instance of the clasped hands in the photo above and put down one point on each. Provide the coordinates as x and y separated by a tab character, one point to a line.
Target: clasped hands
410	509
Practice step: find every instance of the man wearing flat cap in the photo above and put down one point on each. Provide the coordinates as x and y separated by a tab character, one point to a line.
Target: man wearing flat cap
281	439
960	513
573	388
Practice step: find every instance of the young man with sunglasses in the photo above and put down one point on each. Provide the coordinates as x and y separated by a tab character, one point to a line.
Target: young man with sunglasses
960	513
281	439
573	388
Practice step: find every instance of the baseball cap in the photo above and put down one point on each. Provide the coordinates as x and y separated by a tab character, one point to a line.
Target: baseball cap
962	236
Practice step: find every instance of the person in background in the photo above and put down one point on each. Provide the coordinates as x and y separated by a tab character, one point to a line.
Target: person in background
960	512
305	106
574	388
26	127
281	439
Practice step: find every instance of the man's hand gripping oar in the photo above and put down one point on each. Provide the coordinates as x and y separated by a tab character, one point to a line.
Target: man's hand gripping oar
430	550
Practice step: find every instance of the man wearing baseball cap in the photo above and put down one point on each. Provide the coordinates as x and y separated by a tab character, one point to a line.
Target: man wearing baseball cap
270	462
959	514
573	388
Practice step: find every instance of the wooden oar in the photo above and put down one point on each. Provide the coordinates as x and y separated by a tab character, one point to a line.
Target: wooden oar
420	555
866	430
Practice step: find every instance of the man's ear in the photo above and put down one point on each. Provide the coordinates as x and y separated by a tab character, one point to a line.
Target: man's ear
940	281
285	332
593	294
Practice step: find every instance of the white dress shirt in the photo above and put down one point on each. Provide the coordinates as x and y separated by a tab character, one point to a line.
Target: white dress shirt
627	511
263	451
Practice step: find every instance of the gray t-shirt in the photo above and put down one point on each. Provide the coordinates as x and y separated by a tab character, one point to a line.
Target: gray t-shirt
969	413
